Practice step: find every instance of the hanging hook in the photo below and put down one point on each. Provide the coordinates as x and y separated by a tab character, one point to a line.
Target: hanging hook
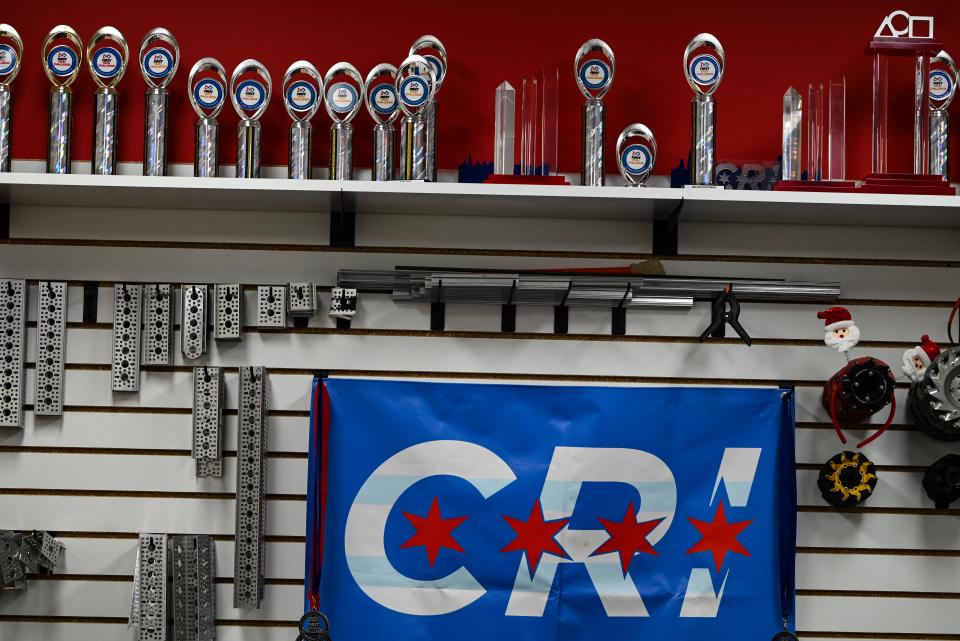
50	291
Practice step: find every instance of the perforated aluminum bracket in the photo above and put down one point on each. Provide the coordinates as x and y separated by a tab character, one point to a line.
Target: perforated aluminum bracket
193	321
150	596
51	346
158	324
208	402
192	562
13	303
271	306
301	299
228	324
125	369
343	303
249	562
206	590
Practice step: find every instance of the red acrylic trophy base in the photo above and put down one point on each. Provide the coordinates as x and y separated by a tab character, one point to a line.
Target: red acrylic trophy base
907	184
513	179
815	185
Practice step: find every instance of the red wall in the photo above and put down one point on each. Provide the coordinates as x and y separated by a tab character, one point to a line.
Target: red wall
769	46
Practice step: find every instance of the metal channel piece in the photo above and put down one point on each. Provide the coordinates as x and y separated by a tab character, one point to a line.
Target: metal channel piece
125	368
13	303
343	303
249	559
51	345
228	322
183	554
193	321
158	324
206	590
150	583
301	299
208	402
271	306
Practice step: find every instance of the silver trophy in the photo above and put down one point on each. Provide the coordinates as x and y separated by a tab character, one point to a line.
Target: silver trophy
159	59
381	97
250	89
703	65
107	55
343	91
594	66
943	87
636	154
301	99
62	55
11	53
435	54
207	91
415	92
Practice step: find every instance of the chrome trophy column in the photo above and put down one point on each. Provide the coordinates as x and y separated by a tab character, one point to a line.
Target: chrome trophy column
594	66
942	88
343	97
435	54
703	65
206	89
415	92
301	98
107	55
159	59
381	98
62	55
11	53
636	154
250	89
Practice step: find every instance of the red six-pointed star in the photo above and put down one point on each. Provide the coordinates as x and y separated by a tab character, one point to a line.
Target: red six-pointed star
627	537
535	536
433	531
719	537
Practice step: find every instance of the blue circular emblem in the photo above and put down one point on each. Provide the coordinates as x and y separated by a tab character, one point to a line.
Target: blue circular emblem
157	63
251	94
636	159
342	97
301	95
62	61
705	69
106	62
941	84
438	68
414	91
594	74
383	97
8	59
208	93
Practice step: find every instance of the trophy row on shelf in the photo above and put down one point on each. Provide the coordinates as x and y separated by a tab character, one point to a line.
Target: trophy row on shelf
387	91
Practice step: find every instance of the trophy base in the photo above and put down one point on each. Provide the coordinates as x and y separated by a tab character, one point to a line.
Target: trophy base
816	185
513	179
926	185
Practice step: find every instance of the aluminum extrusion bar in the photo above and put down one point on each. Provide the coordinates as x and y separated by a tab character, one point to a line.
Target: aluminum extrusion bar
249	561
228	313
158	324
193	323
13	302
209	394
125	366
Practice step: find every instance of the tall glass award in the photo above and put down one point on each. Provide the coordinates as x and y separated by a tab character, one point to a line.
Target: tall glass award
792	134
505	113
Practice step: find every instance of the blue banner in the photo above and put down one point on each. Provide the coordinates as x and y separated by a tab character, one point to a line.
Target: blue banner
507	512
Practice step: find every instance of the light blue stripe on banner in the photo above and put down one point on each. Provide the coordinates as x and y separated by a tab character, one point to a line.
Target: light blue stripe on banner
376	572
559	496
385	489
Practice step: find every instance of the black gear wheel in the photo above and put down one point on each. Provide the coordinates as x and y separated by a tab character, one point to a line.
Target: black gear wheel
935	400
942	481
847	480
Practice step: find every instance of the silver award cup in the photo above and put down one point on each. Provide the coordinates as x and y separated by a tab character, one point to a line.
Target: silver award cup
381	97
943	87
703	65
159	59
415	93
301	99
636	154
435	54
207	90
107	55
594	67
11	52
343	91
250	89
62	55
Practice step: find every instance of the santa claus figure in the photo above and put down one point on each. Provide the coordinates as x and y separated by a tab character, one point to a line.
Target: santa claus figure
839	331
917	359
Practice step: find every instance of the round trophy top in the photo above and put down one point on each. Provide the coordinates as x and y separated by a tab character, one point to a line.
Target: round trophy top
343	92
301	90
159	57
636	154
943	81
11	53
107	55
593	67
62	55
434	53
380	90
703	64
250	88
207	87
415	85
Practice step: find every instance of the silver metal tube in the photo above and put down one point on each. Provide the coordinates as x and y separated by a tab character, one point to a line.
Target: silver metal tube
248	149
206	149
301	151
703	163
155	132
383	161
5	116
592	160
431	117
412	148
341	151
58	146
940	143
921	120
104	161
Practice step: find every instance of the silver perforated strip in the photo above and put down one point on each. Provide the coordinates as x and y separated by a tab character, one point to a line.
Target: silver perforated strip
208	403
271	307
183	552
125	369
51	345
158	324
193	321
249	562
13	305
151	588
301	299
206	590
228	324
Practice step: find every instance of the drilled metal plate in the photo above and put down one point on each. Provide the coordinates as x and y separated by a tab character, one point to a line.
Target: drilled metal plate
51	345
343	302
229	312
50	551
151	595
183	553
208	403
193	321
206	590
125	369
158	324
13	303
301	299
251	482
271	307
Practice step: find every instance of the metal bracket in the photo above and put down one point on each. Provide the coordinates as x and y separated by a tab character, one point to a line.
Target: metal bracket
343	303
561	313
249	562
228	316
51	347
91	297
13	306
149	611
209	393
206	590
271	306
618	315
192	557
193	321
666	232
301	299
125	368
158	325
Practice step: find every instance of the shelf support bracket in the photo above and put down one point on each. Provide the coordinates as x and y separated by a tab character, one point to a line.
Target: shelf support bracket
666	232
561	313
508	312
438	311
618	319
343	221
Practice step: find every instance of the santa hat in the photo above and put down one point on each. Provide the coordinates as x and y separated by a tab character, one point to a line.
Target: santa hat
835	318
927	350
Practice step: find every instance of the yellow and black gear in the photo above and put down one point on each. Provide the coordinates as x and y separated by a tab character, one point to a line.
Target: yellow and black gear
847	480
